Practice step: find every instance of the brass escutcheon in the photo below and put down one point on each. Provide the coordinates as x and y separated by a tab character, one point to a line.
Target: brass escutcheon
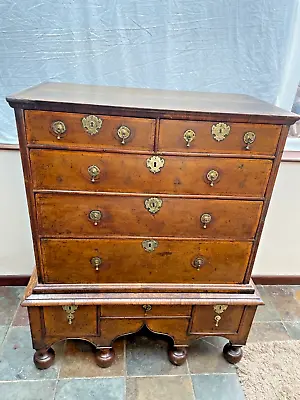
123	133
155	163
249	138
212	176
153	204
95	216
198	262
219	309
94	172
189	136
205	219
70	310
59	129
96	262
147	308
91	124
149	245
220	131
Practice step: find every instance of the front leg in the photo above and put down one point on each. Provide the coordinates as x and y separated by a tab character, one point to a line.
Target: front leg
232	353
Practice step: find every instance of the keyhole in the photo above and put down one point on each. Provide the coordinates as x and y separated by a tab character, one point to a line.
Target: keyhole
154	164
92	124
149	245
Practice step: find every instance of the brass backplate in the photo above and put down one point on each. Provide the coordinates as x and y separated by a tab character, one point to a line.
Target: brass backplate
220	131
220	308
155	163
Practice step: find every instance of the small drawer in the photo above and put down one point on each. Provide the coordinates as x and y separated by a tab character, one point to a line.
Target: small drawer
216	318
216	176
215	137
99	131
70	321
127	261
145	310
69	215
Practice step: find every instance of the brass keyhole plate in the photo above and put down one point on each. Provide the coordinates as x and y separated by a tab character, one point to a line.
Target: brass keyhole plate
220	131
91	124
155	163
153	204
149	245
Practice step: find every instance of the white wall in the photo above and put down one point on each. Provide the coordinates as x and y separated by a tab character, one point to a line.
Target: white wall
278	253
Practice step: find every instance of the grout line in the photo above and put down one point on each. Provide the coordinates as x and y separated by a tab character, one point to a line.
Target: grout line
125	368
54	394
190	376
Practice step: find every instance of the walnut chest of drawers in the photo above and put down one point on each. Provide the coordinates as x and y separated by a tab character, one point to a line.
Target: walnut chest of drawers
146	210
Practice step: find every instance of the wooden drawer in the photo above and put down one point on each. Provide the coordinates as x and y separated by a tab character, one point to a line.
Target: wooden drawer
205	319
65	170
145	310
39	128
68	215
171	138
58	320
126	261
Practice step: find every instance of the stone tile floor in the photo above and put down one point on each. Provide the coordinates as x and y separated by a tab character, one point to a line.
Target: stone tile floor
141	370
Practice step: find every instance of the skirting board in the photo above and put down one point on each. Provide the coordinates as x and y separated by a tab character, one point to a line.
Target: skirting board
22	280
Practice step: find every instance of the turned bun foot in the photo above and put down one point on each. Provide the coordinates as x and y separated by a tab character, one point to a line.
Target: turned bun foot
233	354
44	358
105	357
177	355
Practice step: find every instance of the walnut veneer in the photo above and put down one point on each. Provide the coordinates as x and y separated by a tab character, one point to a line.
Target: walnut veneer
146	209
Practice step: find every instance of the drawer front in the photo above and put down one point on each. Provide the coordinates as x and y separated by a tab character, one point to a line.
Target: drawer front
145	310
70	322
70	215
218	318
143	261
65	170
171	137
99	131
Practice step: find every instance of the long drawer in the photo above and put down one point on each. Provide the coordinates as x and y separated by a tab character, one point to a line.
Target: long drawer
214	137
143	261
95	131
64	170
110	215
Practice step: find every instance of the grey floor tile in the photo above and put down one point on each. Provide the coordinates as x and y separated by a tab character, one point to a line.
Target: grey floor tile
293	329
217	387
205	357
79	361
267	332
16	357
32	390
284	298
10	297
21	317
268	312
145	356
91	389
160	388
3	331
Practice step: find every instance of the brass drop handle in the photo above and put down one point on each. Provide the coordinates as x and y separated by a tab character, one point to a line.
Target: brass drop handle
189	136
198	262
249	138
94	172
147	308
212	176
95	216
123	133
96	262
205	219
59	129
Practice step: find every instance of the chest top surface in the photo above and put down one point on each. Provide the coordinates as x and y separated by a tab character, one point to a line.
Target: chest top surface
57	96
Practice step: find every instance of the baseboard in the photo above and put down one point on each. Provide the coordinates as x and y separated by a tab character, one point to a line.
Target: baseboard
14	280
276	279
22	280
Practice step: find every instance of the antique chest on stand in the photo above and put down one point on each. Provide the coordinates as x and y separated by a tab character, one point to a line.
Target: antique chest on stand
146	209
